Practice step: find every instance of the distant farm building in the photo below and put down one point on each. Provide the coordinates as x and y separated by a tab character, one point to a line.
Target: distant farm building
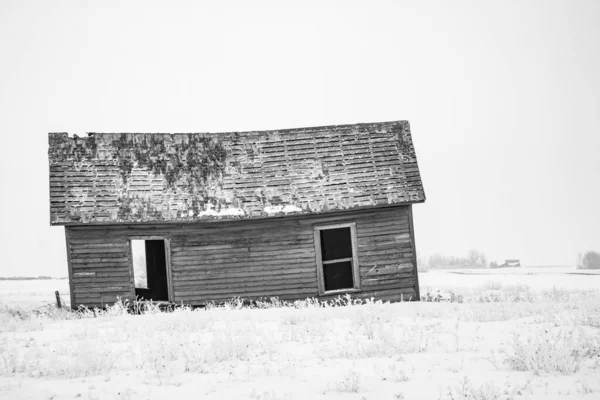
200	217
509	264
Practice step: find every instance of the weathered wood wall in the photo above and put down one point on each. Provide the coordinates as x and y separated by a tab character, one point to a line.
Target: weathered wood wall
251	259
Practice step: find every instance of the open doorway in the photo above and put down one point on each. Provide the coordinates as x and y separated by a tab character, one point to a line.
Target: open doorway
150	269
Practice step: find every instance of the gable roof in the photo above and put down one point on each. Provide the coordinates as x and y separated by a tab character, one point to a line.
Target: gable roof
117	178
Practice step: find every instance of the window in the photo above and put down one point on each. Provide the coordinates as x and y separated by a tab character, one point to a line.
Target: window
337	261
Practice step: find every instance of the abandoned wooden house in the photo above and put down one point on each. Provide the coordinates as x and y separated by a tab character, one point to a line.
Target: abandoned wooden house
199	217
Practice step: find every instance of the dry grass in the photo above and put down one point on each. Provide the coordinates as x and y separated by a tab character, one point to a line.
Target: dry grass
552	350
554	331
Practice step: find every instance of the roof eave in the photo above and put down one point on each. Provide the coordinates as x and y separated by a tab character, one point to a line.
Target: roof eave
233	219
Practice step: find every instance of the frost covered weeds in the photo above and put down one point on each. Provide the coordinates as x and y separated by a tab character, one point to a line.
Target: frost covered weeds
367	348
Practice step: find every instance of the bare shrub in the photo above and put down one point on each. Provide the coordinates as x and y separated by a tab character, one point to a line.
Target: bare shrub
492	285
269	396
551	350
350	382
555	294
466	390
393	372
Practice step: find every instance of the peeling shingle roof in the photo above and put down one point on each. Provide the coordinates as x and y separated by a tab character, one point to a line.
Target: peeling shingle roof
116	178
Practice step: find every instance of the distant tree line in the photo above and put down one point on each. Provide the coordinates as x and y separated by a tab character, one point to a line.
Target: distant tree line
474	259
25	278
588	260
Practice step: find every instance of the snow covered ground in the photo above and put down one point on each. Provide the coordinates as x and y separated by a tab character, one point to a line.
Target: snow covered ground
538	338
28	294
474	282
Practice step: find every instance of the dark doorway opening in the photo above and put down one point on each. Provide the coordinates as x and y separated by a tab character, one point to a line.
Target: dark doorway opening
150	269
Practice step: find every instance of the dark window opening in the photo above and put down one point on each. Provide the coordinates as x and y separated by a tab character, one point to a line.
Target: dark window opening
337	258
338	275
336	243
150	269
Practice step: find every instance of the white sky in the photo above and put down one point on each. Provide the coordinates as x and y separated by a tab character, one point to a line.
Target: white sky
503	101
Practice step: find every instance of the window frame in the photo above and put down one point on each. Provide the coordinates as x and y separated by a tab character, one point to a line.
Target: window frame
354	259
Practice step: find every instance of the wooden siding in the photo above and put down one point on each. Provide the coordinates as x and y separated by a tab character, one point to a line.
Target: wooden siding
249	259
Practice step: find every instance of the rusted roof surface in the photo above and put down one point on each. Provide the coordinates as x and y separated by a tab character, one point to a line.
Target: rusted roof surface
117	178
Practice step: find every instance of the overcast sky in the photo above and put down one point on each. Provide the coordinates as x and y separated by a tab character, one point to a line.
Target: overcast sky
503	101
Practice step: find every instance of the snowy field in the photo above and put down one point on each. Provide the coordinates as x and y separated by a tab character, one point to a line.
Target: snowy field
29	294
527	334
474	281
